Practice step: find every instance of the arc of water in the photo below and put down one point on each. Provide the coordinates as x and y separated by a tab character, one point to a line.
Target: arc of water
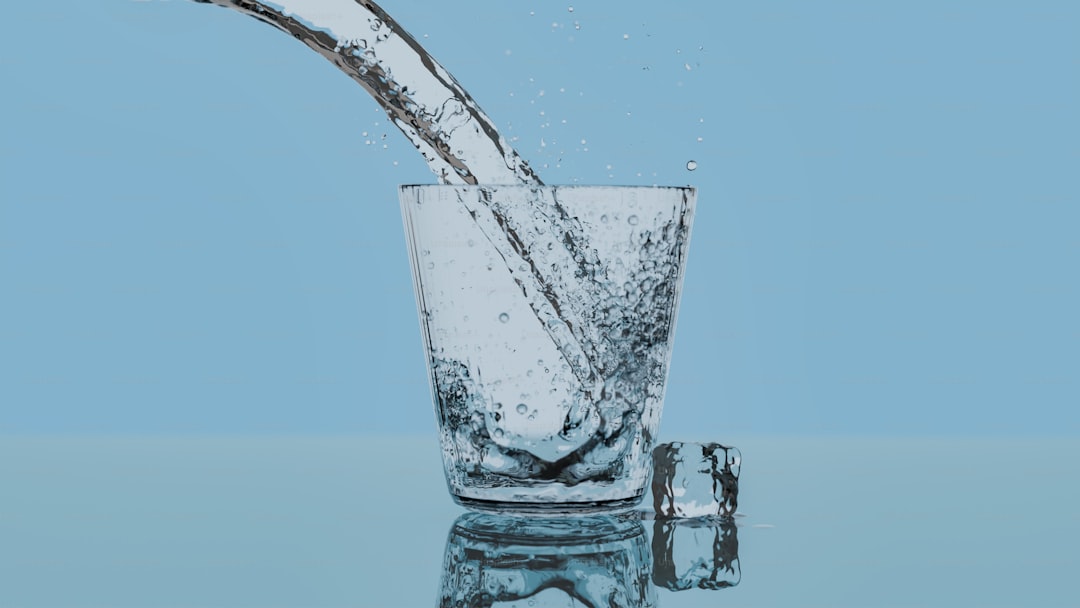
457	139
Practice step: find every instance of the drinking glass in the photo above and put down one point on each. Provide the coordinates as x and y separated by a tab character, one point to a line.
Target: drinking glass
547	315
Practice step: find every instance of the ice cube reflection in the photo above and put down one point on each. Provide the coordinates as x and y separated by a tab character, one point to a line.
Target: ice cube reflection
695	553
493	560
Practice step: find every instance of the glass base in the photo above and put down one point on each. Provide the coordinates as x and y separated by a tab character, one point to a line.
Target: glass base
549	508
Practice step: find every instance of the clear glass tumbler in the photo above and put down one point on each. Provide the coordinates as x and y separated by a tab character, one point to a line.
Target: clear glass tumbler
547	315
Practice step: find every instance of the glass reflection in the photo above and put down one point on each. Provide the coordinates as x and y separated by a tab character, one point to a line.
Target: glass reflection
695	553
497	560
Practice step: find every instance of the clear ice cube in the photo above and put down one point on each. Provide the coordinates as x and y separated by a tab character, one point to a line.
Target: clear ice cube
695	480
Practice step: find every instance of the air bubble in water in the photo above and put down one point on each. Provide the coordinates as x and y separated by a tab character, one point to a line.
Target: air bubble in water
691	165
498	433
632	220
522	408
503	317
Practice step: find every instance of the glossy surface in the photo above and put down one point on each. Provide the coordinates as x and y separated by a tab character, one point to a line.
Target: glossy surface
294	521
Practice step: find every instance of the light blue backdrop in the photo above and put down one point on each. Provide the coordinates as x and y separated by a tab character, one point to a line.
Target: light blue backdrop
196	237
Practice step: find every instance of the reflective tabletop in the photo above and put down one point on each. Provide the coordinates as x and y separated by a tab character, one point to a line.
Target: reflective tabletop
366	521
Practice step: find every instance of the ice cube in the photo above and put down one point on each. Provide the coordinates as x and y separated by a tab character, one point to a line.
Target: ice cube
695	553
695	480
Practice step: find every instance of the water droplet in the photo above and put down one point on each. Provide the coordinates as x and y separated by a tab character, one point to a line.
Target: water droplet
626	36
603	218
498	405
700	139
691	165
522	408
577	26
687	66
532	416
503	317
472	243
570	9
528	373
431	265
498	433
465	318
632	220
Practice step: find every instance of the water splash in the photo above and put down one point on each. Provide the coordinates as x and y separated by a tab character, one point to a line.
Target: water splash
617	359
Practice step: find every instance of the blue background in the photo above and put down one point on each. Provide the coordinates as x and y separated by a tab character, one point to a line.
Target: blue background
195	237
